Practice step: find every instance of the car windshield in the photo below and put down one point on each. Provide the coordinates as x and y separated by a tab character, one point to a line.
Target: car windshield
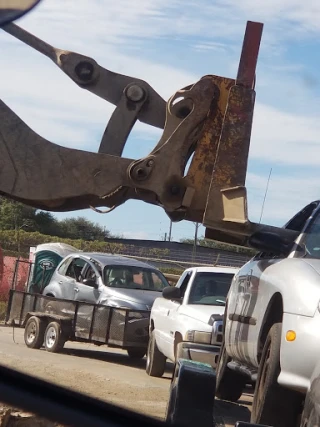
123	276
210	288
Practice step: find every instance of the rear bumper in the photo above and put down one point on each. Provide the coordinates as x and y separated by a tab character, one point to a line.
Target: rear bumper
204	353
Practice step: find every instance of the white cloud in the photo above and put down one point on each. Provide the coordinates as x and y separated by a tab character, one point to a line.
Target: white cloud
171	44
285	138
286	195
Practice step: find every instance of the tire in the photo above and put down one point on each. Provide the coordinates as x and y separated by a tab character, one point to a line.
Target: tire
53	338
136	352
52	307
230	384
156	361
34	332
272	404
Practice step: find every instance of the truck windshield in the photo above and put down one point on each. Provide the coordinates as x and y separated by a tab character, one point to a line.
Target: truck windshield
122	276
312	239
210	288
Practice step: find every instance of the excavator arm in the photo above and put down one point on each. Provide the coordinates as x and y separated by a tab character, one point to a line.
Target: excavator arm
208	122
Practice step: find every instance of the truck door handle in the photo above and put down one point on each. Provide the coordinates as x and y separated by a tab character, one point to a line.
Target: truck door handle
76	289
60	282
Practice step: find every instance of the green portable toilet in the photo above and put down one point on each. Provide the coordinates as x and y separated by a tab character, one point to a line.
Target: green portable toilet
45	259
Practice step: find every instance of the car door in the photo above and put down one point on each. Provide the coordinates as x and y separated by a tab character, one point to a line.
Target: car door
63	280
84	292
170	316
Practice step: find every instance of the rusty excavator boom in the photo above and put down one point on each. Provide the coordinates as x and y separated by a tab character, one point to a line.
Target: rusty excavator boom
208	122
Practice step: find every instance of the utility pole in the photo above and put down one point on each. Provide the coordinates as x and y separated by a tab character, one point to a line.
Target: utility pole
165	237
170	230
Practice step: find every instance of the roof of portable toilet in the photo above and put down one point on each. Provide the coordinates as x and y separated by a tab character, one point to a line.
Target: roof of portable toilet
62	249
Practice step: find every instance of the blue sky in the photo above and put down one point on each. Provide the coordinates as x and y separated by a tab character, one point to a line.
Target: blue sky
170	44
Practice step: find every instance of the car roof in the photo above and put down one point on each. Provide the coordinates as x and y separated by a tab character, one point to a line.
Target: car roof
226	270
111	259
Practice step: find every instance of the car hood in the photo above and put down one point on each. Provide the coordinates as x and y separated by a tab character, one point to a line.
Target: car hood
203	312
135	296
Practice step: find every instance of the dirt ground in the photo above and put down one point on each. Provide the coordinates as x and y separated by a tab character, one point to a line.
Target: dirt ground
107	374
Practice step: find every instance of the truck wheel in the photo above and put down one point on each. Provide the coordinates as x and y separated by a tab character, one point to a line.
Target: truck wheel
53	338
156	361
272	404
34	332
136	352
230	384
185	407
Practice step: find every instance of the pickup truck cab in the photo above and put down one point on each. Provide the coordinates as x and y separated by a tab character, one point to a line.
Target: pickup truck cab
272	321
187	320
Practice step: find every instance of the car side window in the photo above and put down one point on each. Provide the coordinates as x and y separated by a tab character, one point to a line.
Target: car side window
183	282
63	267
75	269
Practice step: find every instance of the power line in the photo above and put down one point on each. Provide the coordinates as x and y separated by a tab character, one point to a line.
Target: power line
265	195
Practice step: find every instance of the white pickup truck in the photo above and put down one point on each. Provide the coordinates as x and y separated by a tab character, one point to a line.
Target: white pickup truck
272	322
187	321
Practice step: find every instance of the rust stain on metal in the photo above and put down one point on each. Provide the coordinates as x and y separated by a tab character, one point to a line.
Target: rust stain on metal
199	174
231	164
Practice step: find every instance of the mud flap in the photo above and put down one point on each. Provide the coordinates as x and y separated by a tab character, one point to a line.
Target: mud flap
192	394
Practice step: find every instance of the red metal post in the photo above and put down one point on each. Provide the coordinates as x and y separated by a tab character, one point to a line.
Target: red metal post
249	54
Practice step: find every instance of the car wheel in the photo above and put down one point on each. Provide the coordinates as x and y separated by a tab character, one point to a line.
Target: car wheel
156	361
136	352
34	332
230	384
52	307
54	339
272	404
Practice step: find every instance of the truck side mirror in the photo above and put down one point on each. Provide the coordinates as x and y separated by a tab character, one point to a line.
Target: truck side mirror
171	293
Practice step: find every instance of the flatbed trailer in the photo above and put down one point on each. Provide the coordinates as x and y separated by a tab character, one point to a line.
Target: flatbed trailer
51	322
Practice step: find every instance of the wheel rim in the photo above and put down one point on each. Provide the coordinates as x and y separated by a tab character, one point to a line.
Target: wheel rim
263	377
51	337
31	332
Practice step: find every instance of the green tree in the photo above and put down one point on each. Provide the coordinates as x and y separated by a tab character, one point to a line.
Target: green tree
46	223
16	216
82	228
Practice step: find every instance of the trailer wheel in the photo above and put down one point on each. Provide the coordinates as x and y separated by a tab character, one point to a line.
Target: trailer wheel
272	404
34	332
230	384
53	338
192	393
136	352
156	361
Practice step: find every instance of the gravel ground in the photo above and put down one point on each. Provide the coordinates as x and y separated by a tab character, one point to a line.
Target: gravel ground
107	374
